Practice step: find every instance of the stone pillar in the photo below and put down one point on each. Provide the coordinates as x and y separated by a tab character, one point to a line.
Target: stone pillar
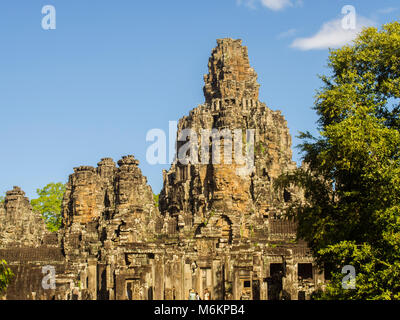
110	281
289	283
158	278
92	274
318	277
187	271
263	290
235	285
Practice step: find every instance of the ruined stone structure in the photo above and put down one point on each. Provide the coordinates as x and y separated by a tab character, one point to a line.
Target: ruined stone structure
27	246
218	225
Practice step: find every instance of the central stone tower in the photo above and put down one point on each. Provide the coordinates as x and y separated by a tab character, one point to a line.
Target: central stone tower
195	193
230	75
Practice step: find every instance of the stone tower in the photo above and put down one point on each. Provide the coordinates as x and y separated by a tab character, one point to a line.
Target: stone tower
230	75
27	246
19	226
231	106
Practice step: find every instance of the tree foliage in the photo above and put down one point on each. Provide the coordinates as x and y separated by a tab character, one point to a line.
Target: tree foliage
49	204
156	199
6	276
351	180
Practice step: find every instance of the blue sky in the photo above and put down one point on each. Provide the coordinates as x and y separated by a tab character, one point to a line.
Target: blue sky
113	70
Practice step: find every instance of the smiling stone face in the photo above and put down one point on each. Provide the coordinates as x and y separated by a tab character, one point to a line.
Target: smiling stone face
84	202
82	195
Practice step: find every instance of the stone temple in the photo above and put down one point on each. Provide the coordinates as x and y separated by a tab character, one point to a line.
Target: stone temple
212	229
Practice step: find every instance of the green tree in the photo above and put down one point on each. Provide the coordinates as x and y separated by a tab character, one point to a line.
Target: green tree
1	199
49	204
6	276
351	180
156	197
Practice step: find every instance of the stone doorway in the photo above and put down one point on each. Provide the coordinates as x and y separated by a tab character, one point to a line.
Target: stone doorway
275	284
256	289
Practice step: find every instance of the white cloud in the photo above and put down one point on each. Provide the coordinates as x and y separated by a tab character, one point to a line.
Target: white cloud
276	4
248	3
331	35
287	34
387	10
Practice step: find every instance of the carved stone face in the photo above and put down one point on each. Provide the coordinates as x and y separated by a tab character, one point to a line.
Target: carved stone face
122	186
123	191
126	190
84	202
